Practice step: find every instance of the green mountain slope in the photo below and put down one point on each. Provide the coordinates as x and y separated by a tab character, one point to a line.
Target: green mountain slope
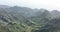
22	19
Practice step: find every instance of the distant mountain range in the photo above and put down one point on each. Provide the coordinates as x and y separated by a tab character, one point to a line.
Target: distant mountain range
23	19
4	6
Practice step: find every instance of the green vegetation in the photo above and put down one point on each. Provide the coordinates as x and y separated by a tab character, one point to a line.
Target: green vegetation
22	19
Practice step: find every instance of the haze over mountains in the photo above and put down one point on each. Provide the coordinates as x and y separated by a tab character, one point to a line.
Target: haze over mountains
24	19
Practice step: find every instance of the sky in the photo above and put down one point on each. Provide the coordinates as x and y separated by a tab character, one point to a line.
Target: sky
46	4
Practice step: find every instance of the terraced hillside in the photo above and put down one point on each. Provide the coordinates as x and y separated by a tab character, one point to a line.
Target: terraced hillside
23	19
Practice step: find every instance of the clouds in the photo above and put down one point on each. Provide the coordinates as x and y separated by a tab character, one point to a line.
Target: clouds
48	4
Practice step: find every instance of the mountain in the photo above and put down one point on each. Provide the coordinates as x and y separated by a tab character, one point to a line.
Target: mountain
55	13
41	17
22	10
23	19
4	6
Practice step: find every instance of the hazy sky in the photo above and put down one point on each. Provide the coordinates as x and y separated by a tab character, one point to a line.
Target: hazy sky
47	4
